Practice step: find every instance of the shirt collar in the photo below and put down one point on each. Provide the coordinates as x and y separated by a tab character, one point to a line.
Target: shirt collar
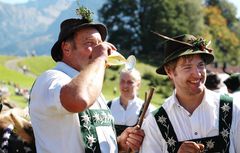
130	101
172	100
61	66
208	99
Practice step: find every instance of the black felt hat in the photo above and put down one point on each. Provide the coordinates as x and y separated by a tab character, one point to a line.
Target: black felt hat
213	81
68	27
180	46
233	82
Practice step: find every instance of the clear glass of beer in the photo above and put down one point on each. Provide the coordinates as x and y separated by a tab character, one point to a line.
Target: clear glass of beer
117	59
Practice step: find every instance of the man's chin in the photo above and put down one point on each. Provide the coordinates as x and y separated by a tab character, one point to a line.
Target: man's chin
197	91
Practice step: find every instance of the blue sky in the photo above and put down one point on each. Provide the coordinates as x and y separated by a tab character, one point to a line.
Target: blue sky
14	1
235	2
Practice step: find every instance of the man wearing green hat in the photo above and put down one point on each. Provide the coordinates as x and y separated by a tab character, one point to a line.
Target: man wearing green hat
193	119
68	112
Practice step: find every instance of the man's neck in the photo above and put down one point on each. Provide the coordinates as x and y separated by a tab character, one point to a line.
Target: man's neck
190	102
124	102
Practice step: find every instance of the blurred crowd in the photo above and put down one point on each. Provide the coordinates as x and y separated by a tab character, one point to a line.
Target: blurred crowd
18	91
224	83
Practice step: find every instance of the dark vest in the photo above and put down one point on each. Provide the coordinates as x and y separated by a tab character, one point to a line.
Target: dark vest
219	143
121	128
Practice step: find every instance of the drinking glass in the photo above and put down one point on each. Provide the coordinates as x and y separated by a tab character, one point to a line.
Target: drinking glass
117	59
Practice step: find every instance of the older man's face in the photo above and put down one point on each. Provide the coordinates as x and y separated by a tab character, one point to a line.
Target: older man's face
78	53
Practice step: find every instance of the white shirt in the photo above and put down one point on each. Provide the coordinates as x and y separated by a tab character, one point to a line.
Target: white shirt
202	123
129	116
236	95
55	129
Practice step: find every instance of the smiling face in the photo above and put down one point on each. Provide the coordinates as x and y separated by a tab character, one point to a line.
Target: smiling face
188	75
78	50
129	84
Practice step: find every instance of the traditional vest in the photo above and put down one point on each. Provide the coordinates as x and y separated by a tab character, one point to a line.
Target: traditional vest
120	128
219	143
89	120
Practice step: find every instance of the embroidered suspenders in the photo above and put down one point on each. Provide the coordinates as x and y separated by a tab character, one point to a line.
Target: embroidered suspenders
213	144
89	120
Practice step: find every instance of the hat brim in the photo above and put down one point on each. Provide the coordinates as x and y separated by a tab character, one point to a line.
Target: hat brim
56	51
209	58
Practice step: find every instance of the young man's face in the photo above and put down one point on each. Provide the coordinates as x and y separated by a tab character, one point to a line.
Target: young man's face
189	75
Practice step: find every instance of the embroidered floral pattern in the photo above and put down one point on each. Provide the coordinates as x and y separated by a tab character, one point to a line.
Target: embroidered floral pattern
225	108
91	140
96	117
222	139
225	133
85	119
162	119
171	142
210	144
89	120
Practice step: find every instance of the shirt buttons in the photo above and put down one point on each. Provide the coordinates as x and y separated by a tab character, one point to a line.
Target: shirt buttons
195	133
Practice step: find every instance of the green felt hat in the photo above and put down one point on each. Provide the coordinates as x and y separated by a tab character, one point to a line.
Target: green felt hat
180	46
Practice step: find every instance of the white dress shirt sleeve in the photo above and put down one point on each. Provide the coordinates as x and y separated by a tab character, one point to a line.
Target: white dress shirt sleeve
152	142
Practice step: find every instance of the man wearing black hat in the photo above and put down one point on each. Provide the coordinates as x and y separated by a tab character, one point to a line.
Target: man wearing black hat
233	85
193	119
68	112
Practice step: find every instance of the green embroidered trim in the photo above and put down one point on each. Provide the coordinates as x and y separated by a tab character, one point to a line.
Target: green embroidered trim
166	128
89	120
102	117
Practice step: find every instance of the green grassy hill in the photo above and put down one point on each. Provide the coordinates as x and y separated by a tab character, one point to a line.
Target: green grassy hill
36	65
12	79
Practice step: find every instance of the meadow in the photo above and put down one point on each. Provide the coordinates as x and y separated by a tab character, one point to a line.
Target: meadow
38	64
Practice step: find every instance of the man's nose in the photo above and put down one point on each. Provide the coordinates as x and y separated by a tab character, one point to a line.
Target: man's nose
197	72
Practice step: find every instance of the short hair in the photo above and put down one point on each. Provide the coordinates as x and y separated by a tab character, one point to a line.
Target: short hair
133	72
173	63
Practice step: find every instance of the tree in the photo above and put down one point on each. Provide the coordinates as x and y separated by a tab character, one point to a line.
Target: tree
226	43
228	10
130	22
121	18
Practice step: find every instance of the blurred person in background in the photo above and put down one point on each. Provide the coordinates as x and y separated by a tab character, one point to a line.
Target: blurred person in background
233	84
215	83
126	109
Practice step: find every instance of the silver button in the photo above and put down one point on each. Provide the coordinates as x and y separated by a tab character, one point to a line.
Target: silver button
195	133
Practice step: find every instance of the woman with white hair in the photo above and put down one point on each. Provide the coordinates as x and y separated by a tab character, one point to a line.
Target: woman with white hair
126	108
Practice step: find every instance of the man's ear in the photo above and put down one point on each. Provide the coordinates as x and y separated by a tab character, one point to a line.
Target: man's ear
168	72
138	84
66	47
